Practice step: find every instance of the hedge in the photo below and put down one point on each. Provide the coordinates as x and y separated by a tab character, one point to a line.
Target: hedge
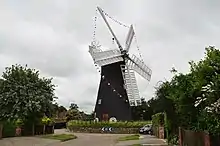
92	124
8	129
158	119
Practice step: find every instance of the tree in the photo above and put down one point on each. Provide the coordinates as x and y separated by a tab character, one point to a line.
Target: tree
73	114
91	116
74	106
24	95
1	81
62	109
55	110
1	118
143	111
188	99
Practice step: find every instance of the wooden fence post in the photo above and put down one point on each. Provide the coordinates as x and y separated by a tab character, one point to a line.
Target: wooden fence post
1	130
180	137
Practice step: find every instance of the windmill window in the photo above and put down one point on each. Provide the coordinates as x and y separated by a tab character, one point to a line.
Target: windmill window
99	101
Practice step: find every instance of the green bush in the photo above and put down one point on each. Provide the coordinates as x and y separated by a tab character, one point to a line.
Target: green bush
47	121
173	139
158	119
19	122
77	124
9	129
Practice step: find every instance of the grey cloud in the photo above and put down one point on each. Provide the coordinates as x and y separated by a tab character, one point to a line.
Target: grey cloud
53	36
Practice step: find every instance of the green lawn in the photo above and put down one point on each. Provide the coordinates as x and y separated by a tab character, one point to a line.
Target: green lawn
136	145
61	137
130	137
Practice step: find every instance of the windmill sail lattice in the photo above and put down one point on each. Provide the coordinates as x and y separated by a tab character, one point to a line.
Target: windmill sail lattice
129	38
131	86
135	63
119	68
105	57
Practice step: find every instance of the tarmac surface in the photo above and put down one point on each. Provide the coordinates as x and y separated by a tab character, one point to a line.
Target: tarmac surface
83	139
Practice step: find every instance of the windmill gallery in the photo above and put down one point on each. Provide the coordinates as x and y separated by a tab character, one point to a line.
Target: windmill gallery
117	71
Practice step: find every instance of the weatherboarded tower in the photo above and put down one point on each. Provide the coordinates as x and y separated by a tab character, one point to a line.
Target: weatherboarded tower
112	100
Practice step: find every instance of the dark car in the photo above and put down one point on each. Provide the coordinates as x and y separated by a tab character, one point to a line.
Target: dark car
146	129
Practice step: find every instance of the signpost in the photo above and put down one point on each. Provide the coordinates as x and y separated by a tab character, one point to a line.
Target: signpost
107	129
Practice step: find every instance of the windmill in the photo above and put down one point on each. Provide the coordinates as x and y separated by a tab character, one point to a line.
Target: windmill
117	70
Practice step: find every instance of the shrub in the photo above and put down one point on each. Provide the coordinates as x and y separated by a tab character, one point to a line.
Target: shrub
8	129
19	123
158	119
91	124
173	139
47	121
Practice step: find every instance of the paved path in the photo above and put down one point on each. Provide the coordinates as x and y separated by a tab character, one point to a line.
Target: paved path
84	139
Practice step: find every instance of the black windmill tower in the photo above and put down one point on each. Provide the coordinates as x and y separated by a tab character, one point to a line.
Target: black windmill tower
117	71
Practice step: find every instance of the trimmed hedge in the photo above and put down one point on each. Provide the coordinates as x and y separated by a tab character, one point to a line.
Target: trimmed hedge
91	124
9	129
99	130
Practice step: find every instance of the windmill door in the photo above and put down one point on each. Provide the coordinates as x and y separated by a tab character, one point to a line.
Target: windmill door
105	117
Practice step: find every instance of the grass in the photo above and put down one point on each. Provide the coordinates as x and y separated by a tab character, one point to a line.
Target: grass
61	137
130	137
136	145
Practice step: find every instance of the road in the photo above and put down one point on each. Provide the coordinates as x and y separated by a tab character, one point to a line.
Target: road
83	139
92	139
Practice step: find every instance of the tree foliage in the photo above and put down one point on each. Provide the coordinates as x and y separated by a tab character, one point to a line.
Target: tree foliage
24	94
187	97
73	113
73	106
62	109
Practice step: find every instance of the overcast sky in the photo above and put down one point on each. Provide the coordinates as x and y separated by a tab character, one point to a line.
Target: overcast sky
53	37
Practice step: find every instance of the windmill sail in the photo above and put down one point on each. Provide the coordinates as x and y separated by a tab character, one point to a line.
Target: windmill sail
109	27
129	38
105	57
131	86
139	66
